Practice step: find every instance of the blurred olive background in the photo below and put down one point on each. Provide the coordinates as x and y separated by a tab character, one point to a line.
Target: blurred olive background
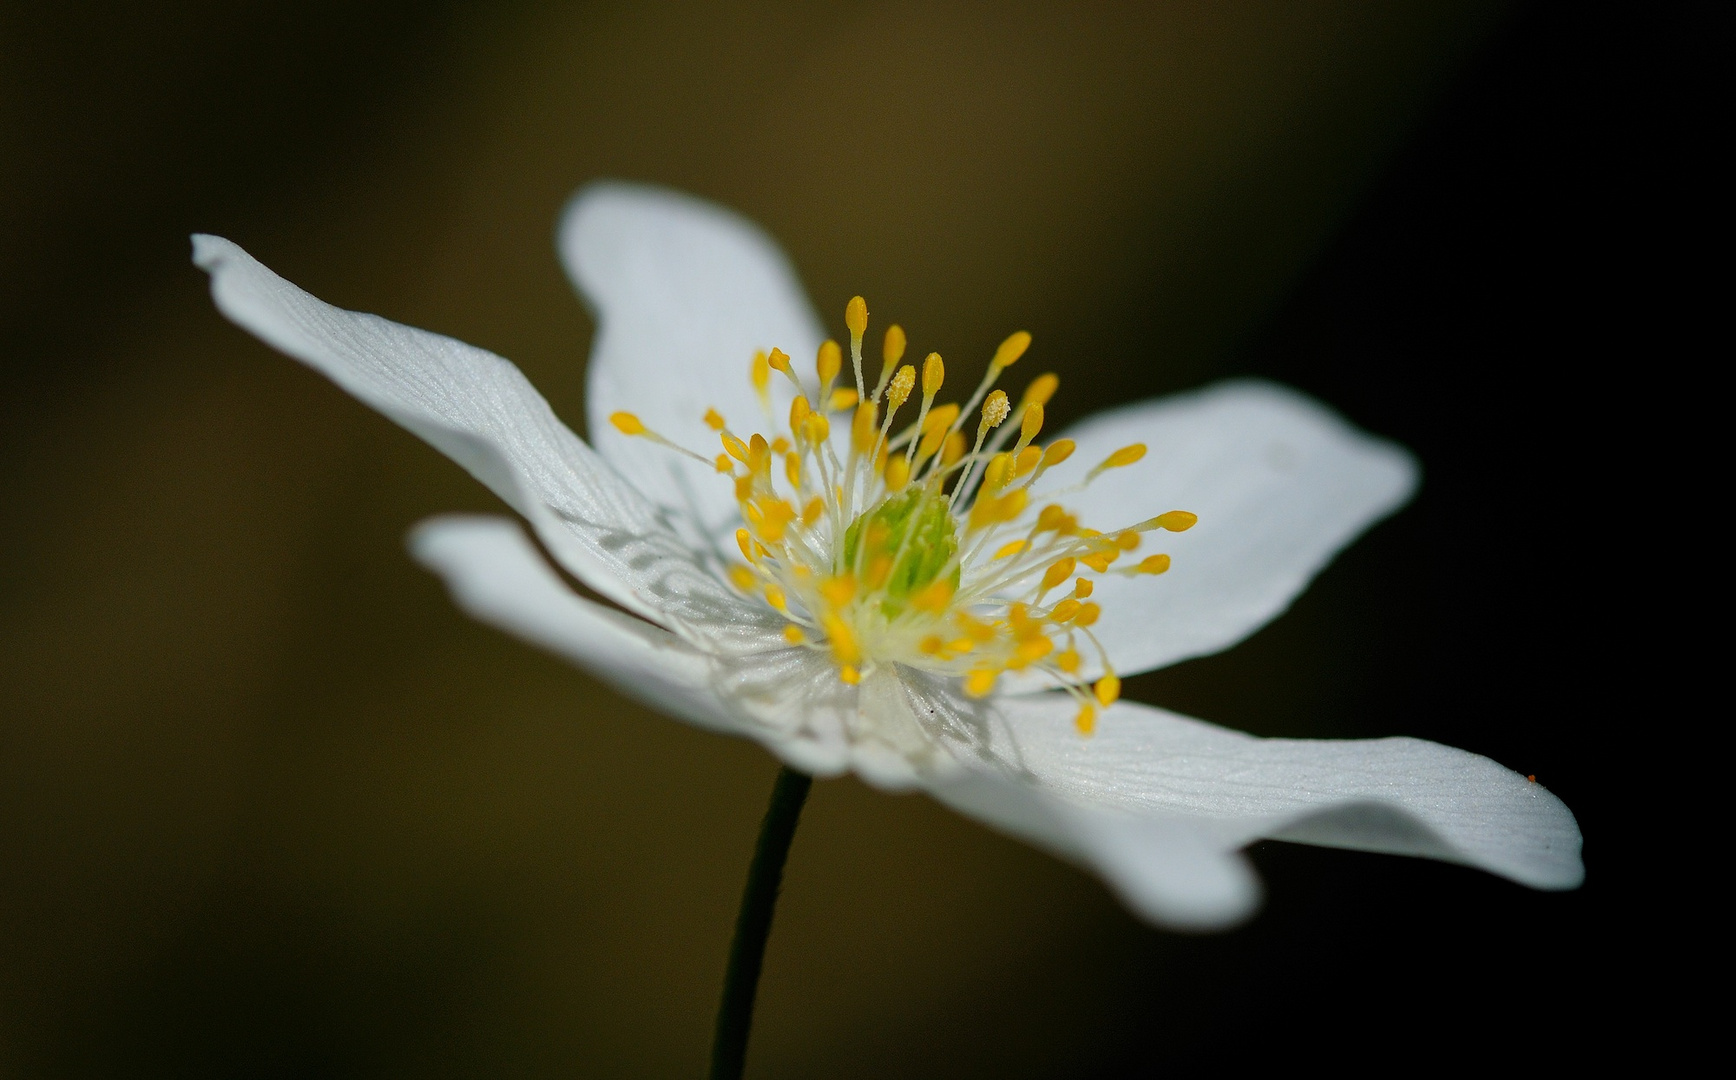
269	806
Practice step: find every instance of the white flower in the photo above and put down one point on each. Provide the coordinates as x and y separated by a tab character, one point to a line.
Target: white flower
853	622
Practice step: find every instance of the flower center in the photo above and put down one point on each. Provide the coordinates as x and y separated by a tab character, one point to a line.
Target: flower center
921	547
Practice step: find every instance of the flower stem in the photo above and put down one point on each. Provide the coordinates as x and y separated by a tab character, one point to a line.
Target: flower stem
753	923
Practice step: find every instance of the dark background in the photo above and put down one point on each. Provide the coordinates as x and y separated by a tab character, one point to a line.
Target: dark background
269	806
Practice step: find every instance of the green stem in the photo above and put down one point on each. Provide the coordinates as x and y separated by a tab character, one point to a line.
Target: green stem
753	924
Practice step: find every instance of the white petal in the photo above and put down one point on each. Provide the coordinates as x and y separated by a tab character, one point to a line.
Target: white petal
484	414
1163	867
1399	795
1280	484
684	293
789	700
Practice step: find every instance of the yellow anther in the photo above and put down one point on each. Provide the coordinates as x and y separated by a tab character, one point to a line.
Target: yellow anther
839	590
997	509
1067	661
780	361
1127	540
1032	422
1042	388
1014	548
1152	564
934	596
1027	460
902	384
814	511
724	464
974	628
744	540
1024	627
761	374
1086	721
995	410
799	410
743	487
1032	650
979	682
1059	571
735	447
1127	455
841	638
1082	588
1174	521
793	469
1065	610
829	362
960	645
759	452
741	577
1100	559
793	634
714	420
865	428
780	445
938	421
1059	450
933	374
775	597
995	477
1011	349
897	474
849	674
952	450
932	645
769	518
841	399
816	428
892	350
627	424
1088	614
1051	518
1108	688
856	316
879	569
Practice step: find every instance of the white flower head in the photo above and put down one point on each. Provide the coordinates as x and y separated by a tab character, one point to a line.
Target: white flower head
838	563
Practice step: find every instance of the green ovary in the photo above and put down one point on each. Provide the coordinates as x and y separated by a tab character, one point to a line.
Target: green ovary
917	529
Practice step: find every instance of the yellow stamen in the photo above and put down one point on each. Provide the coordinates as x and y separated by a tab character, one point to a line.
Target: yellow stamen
744	540
1031	423
897	474
1173	521
628	424
995	410
1058	572
902	383
1059	450
1088	613
1065	610
742	578
1067	661
1108	688
865	429
892	350
841	399
793	470
839	590
842	639
1011	349
775	597
735	447
1027	460
793	634
814	511
761	374
828	363
952	450
1152	564
1127	455
724	464
714	420
1082	588
933	374
849	674
979	682
856	316
780	360
1086	721
933	597
1014	548
1042	388
1127	540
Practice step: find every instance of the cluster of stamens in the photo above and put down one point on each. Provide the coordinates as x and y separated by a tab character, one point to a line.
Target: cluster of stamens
922	547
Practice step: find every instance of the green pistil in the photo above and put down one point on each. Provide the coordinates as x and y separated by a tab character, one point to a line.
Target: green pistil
920	526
